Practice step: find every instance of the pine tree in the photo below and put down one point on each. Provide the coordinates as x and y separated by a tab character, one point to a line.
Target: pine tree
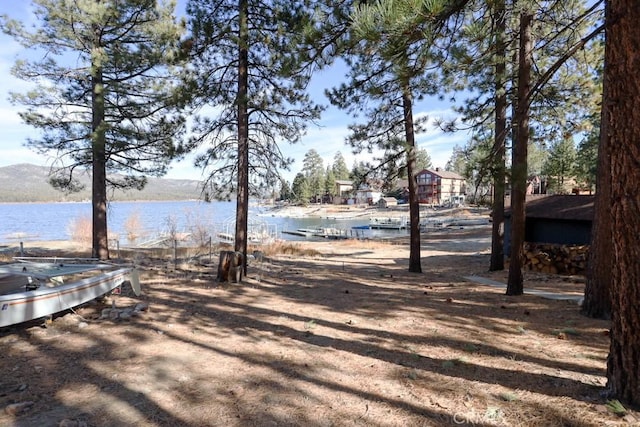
329	182
388	68
285	191
587	159
300	189
423	160
359	173
621	137
339	167
557	84
597	290
564	89
474	163
313	169
560	165
105	99
251	67
519	154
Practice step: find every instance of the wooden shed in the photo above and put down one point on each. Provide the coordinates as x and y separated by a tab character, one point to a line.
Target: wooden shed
387	202
556	219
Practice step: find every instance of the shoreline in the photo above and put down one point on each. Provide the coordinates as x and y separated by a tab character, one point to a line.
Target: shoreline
359	211
429	217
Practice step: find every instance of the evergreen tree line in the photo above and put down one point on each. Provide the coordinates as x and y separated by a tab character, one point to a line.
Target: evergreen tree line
563	165
316	184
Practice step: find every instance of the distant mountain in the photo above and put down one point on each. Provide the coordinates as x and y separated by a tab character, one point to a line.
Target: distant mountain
25	183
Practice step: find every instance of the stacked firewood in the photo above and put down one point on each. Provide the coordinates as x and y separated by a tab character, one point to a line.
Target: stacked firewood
556	259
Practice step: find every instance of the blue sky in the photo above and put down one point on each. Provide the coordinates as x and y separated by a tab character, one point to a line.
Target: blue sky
327	138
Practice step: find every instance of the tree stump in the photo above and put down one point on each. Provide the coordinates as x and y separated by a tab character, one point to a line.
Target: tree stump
230	266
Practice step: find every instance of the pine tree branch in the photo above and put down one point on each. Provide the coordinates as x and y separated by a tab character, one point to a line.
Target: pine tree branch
564	58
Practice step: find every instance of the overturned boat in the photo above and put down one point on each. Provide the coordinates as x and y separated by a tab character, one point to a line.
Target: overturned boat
31	288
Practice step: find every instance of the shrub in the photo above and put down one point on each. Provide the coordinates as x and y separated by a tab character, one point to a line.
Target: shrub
133	227
199	229
81	229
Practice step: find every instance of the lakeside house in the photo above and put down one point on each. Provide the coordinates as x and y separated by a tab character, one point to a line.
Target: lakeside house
440	187
367	196
343	187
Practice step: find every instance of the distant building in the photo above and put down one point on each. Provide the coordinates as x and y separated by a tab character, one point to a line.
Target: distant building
439	187
367	196
342	191
343	187
387	202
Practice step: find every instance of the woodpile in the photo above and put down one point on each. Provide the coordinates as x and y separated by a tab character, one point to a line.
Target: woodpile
556	259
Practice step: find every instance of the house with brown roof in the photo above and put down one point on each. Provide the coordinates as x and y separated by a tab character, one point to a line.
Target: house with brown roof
438	187
556	219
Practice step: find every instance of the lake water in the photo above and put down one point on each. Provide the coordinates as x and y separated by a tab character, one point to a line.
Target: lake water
23	222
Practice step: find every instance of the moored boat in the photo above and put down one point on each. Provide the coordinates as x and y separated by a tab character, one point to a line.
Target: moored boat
33	289
395	223
324	232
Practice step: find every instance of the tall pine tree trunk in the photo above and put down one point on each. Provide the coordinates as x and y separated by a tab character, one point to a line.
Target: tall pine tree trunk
519	157
414	204
498	152
242	204
597	297
100	240
621	116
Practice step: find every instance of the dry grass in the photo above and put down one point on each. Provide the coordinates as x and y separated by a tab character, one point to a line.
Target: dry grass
286	248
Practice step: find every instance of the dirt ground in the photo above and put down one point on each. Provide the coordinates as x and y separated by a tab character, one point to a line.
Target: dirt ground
337	333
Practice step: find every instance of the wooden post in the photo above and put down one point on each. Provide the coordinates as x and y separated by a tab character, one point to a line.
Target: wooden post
230	267
237	267
223	266
175	254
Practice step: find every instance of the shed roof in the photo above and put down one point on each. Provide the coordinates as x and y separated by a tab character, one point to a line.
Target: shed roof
558	206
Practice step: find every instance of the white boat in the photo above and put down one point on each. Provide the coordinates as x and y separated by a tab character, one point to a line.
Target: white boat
324	232
400	223
34	288
331	233
436	223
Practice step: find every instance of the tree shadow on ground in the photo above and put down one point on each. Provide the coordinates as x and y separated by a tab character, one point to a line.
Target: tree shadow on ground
312	342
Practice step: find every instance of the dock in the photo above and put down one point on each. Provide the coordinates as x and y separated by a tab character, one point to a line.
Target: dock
326	233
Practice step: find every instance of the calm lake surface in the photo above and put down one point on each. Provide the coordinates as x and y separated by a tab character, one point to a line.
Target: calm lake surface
23	222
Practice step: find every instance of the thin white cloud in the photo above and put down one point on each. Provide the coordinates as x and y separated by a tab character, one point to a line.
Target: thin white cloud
10	120
327	140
